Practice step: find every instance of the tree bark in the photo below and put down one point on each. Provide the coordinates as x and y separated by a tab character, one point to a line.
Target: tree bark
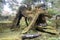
33	21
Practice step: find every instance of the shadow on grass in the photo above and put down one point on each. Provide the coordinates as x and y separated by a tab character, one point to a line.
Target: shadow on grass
41	30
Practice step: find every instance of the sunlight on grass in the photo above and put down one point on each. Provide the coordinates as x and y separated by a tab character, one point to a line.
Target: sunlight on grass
7	34
5	21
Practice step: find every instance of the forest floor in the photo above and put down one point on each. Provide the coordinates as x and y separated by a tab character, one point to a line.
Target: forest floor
7	34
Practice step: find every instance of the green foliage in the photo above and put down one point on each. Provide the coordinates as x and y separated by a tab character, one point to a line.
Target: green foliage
27	1
57	3
0	0
0	9
53	12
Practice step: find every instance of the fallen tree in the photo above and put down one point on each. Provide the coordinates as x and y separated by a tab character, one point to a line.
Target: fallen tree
38	12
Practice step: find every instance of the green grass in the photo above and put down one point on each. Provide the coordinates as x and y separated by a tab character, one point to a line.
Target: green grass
5	21
7	34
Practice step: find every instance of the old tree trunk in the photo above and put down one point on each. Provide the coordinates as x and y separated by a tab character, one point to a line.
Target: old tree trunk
38	12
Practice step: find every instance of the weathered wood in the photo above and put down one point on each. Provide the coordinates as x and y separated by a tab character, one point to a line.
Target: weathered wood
48	29
33	20
22	12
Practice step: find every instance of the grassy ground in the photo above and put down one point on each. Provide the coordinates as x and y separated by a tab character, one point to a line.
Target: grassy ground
7	34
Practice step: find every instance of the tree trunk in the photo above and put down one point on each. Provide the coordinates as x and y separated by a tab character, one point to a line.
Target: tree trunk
16	20
31	24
